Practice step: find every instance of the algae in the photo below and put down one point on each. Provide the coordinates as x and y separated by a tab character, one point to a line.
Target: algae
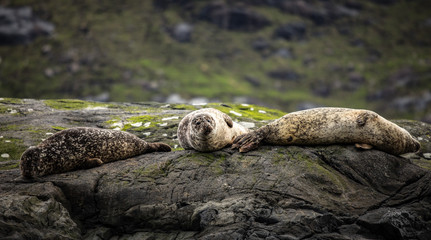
73	104
14	147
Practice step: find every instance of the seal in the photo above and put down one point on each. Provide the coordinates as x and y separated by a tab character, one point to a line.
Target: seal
208	130
81	148
322	126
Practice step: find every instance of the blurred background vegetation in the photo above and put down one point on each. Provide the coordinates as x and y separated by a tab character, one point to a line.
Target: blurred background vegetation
285	54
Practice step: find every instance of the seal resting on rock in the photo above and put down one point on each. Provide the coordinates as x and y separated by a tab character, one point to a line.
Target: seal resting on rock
83	147
322	126
207	130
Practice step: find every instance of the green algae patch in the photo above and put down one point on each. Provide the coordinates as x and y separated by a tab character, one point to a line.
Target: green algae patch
73	104
9	166
183	107
58	128
153	171
11	101
143	122
11	149
213	161
426	164
6	105
248	111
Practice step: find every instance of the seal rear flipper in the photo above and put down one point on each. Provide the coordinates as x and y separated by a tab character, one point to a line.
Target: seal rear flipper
246	142
158	147
92	162
363	146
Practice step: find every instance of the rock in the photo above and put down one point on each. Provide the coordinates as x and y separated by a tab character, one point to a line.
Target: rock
261	44
253	81
235	18
284	53
320	14
275	192
291	31
356	81
284	74
182	32
395	223
385	2
19	26
321	88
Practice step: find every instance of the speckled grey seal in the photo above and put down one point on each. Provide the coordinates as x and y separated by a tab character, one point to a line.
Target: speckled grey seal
80	148
321	126
207	130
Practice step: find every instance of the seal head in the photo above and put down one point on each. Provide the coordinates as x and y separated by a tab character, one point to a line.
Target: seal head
203	124
208	130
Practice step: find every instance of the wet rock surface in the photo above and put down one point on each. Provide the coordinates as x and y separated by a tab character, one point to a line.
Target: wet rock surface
294	192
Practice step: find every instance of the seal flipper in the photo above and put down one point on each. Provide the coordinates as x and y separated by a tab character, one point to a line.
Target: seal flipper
91	163
249	141
158	147
363	146
228	120
246	142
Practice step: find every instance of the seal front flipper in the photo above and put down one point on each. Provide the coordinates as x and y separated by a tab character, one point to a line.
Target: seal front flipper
92	162
363	146
158	147
228	120
250	141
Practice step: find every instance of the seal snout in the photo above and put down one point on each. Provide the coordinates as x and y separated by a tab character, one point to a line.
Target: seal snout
203	124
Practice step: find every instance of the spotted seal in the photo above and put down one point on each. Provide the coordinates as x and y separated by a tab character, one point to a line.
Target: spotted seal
83	147
321	126
207	130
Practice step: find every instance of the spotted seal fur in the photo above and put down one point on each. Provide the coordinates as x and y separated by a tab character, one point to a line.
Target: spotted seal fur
207	130
322	126
83	147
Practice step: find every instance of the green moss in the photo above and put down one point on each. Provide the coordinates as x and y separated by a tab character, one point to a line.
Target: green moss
153	171
246	111
72	104
11	101
423	163
58	128
3	109
6	104
9	127
9	166
183	107
213	161
14	148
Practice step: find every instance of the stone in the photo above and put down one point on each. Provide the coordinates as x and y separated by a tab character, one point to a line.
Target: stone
236	18
182	32
275	192
284	74
291	31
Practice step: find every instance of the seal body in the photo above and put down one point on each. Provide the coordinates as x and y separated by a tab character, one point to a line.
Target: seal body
321	126
80	148
208	130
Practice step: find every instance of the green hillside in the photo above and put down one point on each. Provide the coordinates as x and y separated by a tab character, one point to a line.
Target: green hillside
366	55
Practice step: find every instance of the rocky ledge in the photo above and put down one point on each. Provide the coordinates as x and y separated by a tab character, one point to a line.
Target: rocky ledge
295	192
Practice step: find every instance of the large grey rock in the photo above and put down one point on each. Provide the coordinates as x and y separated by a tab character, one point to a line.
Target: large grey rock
276	192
